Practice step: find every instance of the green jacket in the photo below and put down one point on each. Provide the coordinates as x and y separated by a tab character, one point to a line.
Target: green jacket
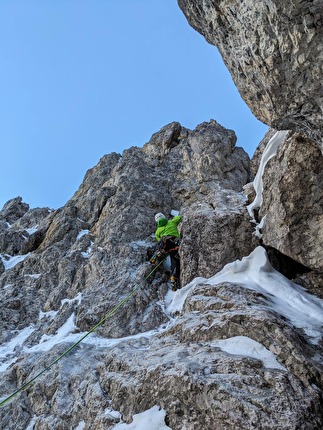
168	228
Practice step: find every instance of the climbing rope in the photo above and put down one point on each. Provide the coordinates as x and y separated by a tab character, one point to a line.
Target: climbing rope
109	314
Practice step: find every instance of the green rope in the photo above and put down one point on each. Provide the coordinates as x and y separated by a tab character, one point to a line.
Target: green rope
109	314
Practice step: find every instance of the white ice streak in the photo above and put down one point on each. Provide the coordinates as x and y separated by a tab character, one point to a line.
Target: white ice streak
77	298
269	152
259	227
9	262
69	333
82	233
8	349
80	426
255	272
31	424
66	333
32	230
243	345
152	419
48	314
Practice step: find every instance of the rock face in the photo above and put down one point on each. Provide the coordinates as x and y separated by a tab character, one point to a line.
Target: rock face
64	270
241	349
217	230
274	52
293	202
292	209
56	264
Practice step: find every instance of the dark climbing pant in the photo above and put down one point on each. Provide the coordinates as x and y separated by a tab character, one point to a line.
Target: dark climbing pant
170	245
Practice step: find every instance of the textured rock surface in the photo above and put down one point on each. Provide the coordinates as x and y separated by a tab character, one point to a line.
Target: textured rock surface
62	271
216	231
88	255
75	263
293	202
274	52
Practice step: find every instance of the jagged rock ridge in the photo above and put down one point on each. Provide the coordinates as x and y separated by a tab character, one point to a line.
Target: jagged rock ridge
89	254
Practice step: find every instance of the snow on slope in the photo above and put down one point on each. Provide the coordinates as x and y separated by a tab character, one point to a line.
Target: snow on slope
286	298
253	272
10	261
153	419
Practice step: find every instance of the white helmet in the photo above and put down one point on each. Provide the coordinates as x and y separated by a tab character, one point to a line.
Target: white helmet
159	216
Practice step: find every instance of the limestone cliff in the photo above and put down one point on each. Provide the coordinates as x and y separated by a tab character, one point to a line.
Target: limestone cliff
273	50
226	351
240	344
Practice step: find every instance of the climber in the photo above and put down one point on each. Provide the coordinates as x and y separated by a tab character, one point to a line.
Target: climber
168	235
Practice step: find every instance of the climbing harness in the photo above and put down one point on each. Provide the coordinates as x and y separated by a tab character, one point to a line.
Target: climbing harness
162	250
109	314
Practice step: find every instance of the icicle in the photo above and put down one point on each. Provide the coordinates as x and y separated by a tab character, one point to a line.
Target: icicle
269	152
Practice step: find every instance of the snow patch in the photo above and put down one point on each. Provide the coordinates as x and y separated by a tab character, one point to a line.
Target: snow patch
81	426
77	298
9	262
152	419
82	233
8	348
115	415
288	299
142	338
284	297
243	345
31	424
69	333
176	305
64	334
32	230
33	275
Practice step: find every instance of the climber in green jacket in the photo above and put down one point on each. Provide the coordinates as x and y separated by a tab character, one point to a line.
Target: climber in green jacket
168	235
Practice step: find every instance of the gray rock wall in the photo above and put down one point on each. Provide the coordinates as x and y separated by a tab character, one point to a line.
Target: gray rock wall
87	256
274	52
62	271
293	202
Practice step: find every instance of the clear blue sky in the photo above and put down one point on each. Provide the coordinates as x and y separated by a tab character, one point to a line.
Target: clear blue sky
84	78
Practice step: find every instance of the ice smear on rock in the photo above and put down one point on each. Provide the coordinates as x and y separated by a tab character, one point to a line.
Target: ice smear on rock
255	272
152	419
269	152
243	345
